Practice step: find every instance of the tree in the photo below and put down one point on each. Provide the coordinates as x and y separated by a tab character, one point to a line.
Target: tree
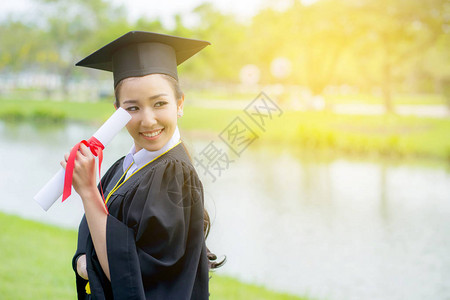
20	45
394	32
362	42
73	29
224	58
436	64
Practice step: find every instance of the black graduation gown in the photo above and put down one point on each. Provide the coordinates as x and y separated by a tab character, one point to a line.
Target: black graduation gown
154	234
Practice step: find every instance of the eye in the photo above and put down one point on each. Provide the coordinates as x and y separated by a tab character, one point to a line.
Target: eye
160	103
132	108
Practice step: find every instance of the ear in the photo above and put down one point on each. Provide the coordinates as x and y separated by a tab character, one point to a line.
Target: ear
115	106
180	103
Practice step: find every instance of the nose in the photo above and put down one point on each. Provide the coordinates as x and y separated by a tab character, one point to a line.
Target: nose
148	119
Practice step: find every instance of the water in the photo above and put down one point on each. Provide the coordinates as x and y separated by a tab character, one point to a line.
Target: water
331	230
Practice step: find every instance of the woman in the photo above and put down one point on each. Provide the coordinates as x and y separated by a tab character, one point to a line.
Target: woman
147	241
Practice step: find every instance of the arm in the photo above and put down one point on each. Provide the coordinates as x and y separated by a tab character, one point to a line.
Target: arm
96	215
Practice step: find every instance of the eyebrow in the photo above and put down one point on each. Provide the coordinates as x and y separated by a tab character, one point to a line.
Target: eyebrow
129	101
157	96
149	98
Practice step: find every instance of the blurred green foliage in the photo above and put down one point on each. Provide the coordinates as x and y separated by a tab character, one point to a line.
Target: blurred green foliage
388	45
386	136
41	115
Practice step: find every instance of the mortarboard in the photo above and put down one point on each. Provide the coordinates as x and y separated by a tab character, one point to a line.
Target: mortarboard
139	53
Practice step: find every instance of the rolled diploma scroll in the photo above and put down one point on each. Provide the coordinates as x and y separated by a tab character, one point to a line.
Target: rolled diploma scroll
54	188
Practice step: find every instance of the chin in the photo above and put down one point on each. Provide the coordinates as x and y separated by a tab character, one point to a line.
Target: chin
154	146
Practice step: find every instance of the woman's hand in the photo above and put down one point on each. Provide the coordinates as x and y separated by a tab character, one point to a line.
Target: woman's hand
81	267
84	176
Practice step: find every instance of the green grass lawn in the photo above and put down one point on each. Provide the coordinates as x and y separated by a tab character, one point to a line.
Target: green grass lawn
18	110
35	263
387	136
372	135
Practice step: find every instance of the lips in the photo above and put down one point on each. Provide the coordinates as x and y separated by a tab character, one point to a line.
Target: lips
152	134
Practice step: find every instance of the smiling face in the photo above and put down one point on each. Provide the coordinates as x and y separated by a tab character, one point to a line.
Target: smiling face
152	104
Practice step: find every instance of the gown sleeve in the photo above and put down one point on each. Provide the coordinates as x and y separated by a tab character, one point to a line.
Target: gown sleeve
157	251
84	235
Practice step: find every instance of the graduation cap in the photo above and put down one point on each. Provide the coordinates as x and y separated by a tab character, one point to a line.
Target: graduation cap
139	53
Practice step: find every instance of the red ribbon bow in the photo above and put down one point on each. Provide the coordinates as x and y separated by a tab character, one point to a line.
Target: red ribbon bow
97	149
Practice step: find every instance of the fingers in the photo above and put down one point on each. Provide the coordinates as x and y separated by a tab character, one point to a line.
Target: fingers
83	154
81	267
84	169
86	151
63	163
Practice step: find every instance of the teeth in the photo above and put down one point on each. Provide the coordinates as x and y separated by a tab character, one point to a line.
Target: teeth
152	134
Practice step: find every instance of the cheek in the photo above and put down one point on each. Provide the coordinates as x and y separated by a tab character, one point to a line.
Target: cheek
172	117
174	111
169	114
131	125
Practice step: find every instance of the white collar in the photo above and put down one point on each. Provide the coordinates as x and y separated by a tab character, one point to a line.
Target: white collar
143	156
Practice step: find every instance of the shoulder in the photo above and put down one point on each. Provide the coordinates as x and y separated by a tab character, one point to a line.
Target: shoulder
176	159
167	186
172	174
113	169
178	153
117	164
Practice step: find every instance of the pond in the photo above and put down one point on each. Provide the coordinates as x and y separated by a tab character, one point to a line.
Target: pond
330	229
